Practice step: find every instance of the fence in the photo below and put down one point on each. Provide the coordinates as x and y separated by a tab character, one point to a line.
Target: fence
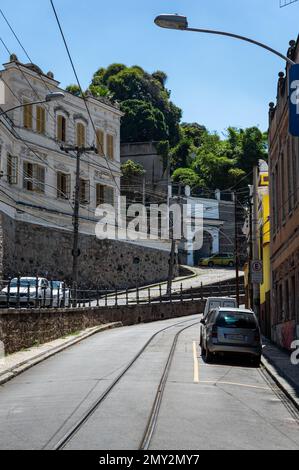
36	293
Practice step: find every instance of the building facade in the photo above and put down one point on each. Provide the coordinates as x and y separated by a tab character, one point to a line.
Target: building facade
284	186
263	238
37	184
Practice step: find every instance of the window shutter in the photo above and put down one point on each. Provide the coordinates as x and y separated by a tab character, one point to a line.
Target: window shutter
28	115
40	120
100	143
61	128
12	169
110	146
80	135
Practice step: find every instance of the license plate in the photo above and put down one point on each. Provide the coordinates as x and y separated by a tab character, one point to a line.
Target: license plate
235	337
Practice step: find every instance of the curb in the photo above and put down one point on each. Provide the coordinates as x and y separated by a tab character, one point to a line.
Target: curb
286	388
18	369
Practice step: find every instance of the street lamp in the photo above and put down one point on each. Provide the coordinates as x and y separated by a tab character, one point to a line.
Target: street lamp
55	96
181	23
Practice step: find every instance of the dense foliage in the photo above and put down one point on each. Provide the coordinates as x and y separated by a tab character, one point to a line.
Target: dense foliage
149	113
195	156
209	162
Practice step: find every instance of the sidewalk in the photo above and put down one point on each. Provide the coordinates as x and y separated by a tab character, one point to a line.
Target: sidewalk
278	364
19	362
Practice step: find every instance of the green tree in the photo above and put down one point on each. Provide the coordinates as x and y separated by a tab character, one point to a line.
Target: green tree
187	177
130	168
142	122
130	84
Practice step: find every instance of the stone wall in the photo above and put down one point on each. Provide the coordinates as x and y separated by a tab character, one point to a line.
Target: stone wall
25	328
37	250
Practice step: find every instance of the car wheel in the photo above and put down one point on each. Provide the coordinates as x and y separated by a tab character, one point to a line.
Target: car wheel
211	264
208	356
257	362
231	264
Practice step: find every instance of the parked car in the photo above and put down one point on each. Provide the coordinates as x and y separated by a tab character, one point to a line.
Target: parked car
26	290
222	259
217	302
231	331
61	294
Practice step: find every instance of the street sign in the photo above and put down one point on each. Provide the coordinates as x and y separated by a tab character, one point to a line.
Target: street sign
257	272
294	100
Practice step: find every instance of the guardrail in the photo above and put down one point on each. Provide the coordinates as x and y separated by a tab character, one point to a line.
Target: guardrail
17	294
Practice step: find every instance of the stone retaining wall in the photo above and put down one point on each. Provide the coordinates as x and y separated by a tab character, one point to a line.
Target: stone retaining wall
22	329
33	250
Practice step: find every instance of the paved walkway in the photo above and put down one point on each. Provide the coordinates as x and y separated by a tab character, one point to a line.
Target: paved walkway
204	276
279	365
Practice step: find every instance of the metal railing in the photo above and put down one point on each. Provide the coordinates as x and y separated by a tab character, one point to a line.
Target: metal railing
19	294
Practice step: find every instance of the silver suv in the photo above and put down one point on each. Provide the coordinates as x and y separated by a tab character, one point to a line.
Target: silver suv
230	330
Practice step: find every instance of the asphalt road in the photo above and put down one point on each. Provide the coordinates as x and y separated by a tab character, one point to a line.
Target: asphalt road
226	405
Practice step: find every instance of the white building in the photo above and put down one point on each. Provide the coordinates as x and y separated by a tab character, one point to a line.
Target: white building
37	177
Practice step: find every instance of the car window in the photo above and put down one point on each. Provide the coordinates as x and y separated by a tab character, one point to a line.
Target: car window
229	303
214	304
23	283
236	320
210	316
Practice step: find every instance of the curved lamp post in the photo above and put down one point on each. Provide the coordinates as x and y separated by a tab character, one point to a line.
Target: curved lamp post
55	96
181	23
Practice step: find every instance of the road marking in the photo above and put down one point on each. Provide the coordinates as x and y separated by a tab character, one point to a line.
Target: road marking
196	363
213	382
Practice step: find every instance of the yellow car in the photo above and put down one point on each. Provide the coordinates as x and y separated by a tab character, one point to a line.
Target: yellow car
222	259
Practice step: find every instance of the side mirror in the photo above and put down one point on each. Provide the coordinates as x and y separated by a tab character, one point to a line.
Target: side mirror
202	322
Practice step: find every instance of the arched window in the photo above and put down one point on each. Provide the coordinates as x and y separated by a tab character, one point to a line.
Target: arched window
81	135
61	128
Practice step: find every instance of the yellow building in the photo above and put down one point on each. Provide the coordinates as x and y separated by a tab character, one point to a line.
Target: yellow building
264	252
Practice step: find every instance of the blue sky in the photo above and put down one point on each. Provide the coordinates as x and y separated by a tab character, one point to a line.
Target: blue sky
216	81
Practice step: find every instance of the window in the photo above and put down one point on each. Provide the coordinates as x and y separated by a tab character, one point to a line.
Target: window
12	169
110	146
105	195
84	192
100	143
28	115
40	120
81	135
63	186
34	177
61	128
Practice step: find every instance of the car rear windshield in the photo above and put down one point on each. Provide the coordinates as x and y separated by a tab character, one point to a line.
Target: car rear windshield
236	320
23	283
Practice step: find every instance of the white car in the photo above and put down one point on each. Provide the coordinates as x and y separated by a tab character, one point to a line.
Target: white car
26	291
60	293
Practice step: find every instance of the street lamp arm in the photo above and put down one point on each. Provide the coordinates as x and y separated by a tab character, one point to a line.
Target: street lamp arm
242	38
22	106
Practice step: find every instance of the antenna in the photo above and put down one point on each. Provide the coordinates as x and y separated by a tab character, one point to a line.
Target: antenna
285	3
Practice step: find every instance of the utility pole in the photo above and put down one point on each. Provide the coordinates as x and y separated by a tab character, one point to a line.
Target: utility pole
173	246
237	250
255	237
250	287
76	251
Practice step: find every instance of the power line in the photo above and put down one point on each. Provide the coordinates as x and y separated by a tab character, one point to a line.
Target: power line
80	87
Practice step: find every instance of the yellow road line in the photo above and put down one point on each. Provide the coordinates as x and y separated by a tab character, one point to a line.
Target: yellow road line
196	363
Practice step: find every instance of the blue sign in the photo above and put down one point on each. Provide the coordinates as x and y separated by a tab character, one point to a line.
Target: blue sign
294	100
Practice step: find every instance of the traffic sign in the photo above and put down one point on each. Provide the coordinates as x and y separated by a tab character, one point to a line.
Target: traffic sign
294	100
257	272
